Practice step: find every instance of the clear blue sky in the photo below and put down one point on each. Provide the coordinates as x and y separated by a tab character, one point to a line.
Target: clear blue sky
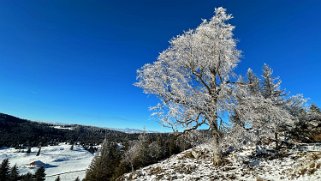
75	61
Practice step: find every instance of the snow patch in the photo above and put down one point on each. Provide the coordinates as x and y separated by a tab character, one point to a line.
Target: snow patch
57	160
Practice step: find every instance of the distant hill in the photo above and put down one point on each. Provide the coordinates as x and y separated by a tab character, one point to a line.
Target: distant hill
15	131
133	131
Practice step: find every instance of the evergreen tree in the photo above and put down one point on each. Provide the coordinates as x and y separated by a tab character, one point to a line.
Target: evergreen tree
29	150
123	167
72	147
271	87
14	174
144	149
271	90
172	146
58	178
91	149
38	153
77	179
253	82
27	177
253	86
296	107
104	165
5	170
40	174
315	109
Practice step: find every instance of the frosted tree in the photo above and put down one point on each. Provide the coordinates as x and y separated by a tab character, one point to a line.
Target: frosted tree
253	82
271	90
192	78
262	116
132	155
314	112
261	110
271	87
314	108
296	105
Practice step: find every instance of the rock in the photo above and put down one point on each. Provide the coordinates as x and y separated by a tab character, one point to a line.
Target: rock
139	174
134	176
195	154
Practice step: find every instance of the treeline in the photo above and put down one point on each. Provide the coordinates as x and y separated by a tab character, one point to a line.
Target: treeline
8	173
16	132
115	159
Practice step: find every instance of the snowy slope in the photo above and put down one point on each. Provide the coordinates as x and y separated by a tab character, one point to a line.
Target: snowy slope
57	160
195	164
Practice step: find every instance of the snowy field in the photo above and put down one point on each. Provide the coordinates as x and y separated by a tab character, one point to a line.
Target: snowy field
57	160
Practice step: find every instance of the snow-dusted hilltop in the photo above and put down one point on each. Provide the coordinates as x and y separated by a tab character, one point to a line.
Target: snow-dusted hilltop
195	164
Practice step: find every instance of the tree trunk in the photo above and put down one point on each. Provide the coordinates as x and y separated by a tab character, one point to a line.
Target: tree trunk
132	167
217	153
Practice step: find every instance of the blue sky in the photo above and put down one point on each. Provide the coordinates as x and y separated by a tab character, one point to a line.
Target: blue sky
75	61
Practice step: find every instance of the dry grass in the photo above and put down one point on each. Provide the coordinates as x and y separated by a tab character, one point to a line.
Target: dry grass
156	170
315	156
260	179
231	176
316	137
311	171
312	165
185	169
187	155
303	171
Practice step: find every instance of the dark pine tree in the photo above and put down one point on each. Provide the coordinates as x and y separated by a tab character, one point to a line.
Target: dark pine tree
40	174
4	170
27	177
103	166
38	153
72	147
57	179
28	150
77	179
14	174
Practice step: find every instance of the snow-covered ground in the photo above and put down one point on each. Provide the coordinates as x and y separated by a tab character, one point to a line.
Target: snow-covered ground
62	127
57	160
195	164
192	164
